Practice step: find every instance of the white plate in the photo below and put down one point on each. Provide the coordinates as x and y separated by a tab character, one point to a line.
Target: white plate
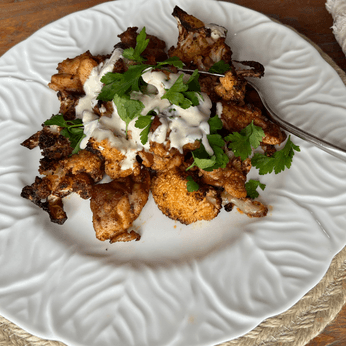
179	285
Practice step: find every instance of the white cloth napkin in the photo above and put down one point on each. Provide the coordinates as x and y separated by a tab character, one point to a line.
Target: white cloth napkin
337	8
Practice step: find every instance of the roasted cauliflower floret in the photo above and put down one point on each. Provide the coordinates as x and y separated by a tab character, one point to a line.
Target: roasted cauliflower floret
231	88
53	145
232	178
72	73
113	159
116	205
77	173
155	51
248	206
235	118
198	45
171	196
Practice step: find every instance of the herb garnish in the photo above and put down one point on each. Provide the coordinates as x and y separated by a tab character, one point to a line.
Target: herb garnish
220	67
119	86
121	83
128	109
191	185
184	94
73	130
242	142
135	53
219	158
278	161
144	122
251	188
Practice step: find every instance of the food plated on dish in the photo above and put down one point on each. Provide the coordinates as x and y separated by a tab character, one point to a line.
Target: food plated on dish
197	284
132	123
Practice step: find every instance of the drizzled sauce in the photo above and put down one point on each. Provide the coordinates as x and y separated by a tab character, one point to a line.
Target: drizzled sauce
179	126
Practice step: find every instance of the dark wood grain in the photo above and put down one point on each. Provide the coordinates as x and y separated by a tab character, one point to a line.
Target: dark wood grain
20	18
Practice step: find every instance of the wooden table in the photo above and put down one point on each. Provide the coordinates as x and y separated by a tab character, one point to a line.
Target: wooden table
20	18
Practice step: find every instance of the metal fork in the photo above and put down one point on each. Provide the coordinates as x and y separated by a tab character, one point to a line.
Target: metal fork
320	143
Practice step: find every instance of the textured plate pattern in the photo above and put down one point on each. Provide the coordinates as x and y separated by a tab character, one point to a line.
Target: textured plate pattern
178	285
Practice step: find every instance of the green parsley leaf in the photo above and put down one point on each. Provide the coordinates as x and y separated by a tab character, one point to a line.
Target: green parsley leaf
144	122
135	53
251	188
128	109
242	142
278	161
191	185
220	67
215	124
73	130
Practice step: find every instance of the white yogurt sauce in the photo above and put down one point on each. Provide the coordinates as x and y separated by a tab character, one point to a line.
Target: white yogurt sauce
184	125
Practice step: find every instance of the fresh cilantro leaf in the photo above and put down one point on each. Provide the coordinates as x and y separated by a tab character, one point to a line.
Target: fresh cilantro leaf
76	136
202	159
251	188
121	83
215	124
174	93
191	185
73	130
173	61
217	143
110	78
206	162
144	122
216	140
128	109
242	142
264	163
179	93
135	53
192	97
58	120
220	67
278	161
193	83
221	158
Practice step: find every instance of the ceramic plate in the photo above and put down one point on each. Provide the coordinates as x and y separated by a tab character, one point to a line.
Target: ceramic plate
179	285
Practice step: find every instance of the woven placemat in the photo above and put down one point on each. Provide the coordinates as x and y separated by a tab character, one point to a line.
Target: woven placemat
295	327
